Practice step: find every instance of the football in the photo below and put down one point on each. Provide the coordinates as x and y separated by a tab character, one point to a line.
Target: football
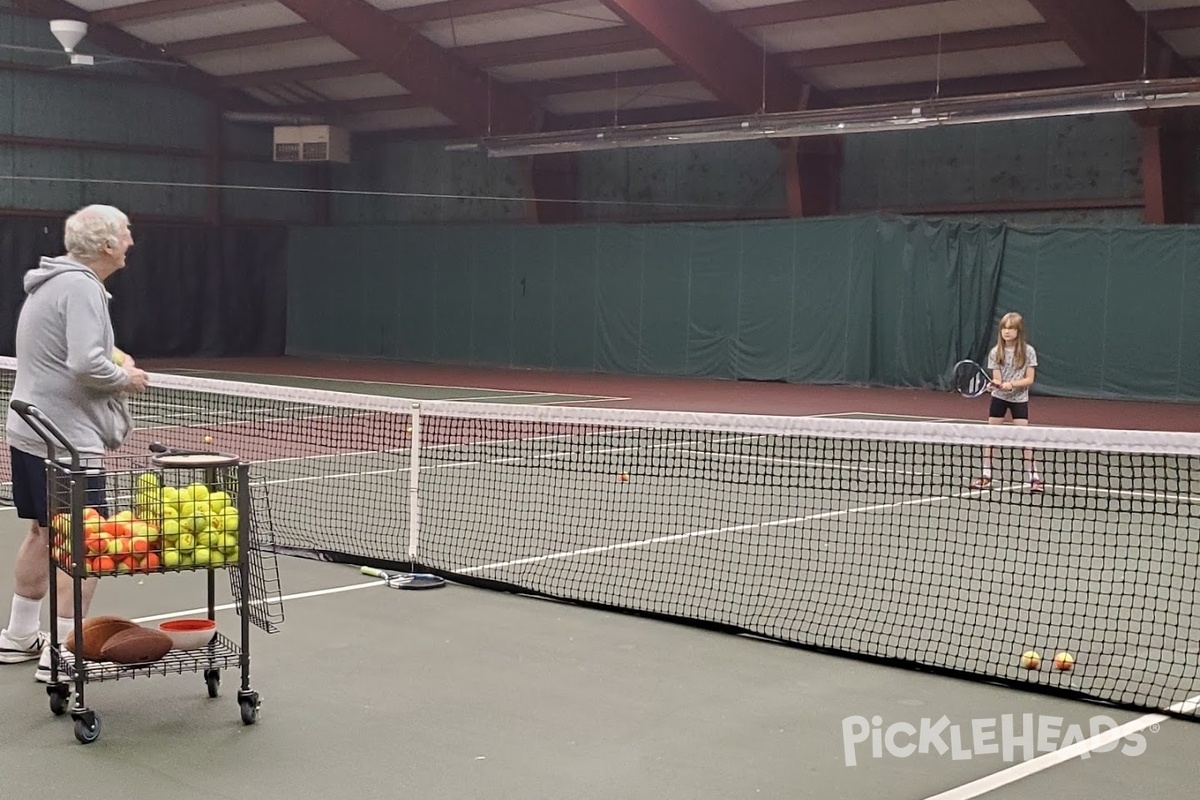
96	632
136	645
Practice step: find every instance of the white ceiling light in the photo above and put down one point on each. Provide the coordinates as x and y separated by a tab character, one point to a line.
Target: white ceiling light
69	33
937	112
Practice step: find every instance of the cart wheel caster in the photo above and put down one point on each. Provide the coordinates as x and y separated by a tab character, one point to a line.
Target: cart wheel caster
212	678
85	733
60	696
249	704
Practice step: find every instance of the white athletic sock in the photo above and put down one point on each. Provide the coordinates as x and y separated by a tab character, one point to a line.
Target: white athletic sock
65	626
23	622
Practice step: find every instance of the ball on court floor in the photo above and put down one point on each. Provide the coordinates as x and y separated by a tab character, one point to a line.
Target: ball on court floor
1064	662
1030	660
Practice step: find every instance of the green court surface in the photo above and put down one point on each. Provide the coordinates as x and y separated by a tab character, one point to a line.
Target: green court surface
464	692
460	692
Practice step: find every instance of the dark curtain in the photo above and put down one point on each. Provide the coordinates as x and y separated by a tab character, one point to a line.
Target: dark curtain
187	290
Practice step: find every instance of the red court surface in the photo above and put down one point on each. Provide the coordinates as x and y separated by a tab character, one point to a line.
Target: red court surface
695	394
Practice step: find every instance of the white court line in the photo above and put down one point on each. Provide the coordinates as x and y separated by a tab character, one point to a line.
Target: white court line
212	372
594	399
1164	496
883	415
509	396
273	600
568	454
801	462
677	537
494	393
1025	769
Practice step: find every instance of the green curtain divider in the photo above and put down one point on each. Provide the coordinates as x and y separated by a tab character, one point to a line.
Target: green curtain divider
868	300
1112	311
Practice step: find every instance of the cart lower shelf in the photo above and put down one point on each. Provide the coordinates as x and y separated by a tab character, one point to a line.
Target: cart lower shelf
220	653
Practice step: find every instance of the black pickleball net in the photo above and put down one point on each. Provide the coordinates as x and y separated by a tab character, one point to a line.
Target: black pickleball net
859	537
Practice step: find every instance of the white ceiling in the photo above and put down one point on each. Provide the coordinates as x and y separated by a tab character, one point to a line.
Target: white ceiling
579	57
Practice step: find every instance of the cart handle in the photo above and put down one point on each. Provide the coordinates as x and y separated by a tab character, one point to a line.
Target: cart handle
44	428
163	450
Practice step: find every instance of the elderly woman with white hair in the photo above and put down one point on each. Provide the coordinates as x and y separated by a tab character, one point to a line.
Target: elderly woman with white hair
67	366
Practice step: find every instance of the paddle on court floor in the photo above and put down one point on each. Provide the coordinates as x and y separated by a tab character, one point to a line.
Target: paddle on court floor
405	580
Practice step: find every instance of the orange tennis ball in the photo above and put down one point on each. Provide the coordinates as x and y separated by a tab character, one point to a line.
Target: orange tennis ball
623	476
1064	662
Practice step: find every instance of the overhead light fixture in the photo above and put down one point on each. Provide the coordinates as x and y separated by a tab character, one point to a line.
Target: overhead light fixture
908	116
69	33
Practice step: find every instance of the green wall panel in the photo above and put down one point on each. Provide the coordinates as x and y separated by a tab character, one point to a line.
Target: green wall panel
862	300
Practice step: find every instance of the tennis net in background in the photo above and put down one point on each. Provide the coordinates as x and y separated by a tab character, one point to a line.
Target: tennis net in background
854	536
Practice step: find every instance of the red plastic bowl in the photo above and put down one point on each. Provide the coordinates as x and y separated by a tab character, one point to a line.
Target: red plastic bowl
189	634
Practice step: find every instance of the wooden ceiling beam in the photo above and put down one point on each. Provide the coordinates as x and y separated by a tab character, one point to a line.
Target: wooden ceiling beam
1111	38
434	76
736	71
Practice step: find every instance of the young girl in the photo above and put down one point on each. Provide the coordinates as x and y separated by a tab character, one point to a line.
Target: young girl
1013	362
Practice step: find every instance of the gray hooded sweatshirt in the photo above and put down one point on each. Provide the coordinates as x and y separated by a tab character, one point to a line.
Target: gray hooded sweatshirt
65	344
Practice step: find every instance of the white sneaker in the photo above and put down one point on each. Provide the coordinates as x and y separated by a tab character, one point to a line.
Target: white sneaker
42	675
13	651
66	662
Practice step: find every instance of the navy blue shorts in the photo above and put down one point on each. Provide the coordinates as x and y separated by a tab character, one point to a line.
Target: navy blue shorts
29	487
1000	407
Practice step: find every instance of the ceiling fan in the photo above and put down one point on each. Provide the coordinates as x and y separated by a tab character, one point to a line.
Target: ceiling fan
70	33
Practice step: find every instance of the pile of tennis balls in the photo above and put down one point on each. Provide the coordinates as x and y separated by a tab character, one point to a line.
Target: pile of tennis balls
198	526
120	544
168	528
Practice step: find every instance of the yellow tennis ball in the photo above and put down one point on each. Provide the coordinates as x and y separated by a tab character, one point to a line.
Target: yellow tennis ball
118	358
1030	659
1064	662
208	440
230	522
217	501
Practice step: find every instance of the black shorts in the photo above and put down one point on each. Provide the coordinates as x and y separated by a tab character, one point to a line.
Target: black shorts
29	487
1000	407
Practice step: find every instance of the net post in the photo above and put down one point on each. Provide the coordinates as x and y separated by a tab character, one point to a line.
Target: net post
414	471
